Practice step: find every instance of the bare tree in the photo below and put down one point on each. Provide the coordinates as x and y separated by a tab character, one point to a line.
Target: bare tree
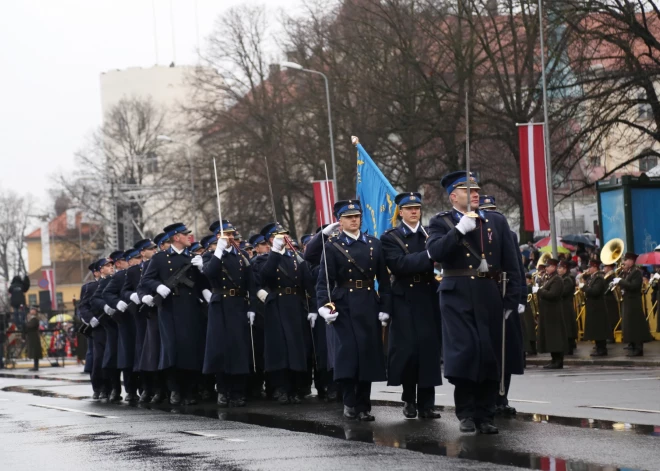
14	213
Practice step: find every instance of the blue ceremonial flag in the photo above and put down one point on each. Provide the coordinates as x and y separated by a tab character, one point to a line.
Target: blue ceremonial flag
376	194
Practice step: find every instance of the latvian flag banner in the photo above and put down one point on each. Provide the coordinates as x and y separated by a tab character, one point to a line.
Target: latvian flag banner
532	177
324	199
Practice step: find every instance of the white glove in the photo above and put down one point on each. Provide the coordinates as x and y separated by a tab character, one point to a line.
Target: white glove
507	313
466	224
656	276
198	262
108	310
121	306
521	308
327	314
278	244
163	290
251	315
148	300
616	280
207	295
220	248
311	317
581	285
535	289
383	317
331	228
94	322
135	298
262	294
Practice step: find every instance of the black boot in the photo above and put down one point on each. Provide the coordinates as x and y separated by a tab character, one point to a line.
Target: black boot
158	397
222	400
145	397
428	414
409	410
175	398
115	396
467	425
487	428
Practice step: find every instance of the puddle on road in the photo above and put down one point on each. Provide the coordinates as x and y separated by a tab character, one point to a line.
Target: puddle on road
43	393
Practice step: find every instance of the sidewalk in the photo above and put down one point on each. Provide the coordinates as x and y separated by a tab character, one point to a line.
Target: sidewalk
616	356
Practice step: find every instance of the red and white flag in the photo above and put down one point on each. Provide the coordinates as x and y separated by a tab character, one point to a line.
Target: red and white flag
532	177
324	198
48	274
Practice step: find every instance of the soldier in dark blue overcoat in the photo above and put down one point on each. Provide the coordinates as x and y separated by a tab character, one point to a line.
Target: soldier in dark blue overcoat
149	359
180	317
287	282
514	360
414	347
84	312
474	250
228	353
354	261
99	311
257	378
145	249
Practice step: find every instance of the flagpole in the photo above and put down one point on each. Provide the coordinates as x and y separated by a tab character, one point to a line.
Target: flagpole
546	138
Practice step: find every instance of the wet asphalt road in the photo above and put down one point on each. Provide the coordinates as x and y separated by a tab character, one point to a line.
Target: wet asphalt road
53	423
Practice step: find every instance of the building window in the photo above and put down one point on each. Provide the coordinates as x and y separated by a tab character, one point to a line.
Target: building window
647	163
32	299
644	110
151	162
60	300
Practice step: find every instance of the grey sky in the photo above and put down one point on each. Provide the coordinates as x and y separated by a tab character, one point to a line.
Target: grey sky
51	55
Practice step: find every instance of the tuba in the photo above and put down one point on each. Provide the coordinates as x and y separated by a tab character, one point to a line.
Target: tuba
610	254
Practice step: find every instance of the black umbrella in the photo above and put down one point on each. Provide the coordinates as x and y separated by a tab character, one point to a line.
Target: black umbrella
575	239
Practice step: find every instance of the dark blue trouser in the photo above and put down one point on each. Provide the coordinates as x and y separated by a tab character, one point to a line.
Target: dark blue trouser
99	382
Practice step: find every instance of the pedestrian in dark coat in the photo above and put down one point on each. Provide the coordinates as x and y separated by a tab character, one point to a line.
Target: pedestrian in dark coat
17	289
414	346
33	336
287	281
551	332
568	307
353	260
98	312
180	317
473	252
111	324
596	323
228	353
636	329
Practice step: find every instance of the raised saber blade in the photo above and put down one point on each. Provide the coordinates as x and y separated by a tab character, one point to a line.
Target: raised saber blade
502	389
217	195
327	191
327	279
270	187
469	212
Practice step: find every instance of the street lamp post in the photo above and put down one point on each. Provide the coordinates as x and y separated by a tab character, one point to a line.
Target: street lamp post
293	65
192	175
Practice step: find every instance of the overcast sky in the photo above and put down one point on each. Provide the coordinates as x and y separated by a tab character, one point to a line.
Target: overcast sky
52	53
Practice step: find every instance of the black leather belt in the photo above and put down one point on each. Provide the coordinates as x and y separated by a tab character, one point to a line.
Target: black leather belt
358	284
421	278
288	291
493	275
230	292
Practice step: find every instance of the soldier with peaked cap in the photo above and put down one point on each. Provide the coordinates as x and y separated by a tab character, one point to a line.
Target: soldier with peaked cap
568	309
286	283
514	361
596	322
149	358
551	333
111	298
635	327
473	251
352	262
414	347
257	378
180	317
99	313
142	251
228	353
84	312
612	306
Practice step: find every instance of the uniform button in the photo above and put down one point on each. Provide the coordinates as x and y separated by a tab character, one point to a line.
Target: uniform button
351	290
470	266
368	289
350	280
170	269
224	295
411	286
279	279
349	270
406	246
467	254
490	253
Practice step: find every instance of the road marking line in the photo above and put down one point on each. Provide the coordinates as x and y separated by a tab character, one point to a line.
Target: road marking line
531	402
626	409
66	409
618	379
211	435
4	400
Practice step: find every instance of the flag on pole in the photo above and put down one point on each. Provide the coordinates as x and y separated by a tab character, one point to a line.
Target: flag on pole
48	274
532	177
322	190
376	194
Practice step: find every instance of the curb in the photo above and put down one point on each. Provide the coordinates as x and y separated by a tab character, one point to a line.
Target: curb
587	362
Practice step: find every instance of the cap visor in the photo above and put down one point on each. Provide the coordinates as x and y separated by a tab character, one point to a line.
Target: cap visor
464	187
351	212
411	205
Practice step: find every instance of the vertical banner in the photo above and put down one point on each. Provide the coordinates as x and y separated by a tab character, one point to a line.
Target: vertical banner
49	275
322	190
45	245
532	177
